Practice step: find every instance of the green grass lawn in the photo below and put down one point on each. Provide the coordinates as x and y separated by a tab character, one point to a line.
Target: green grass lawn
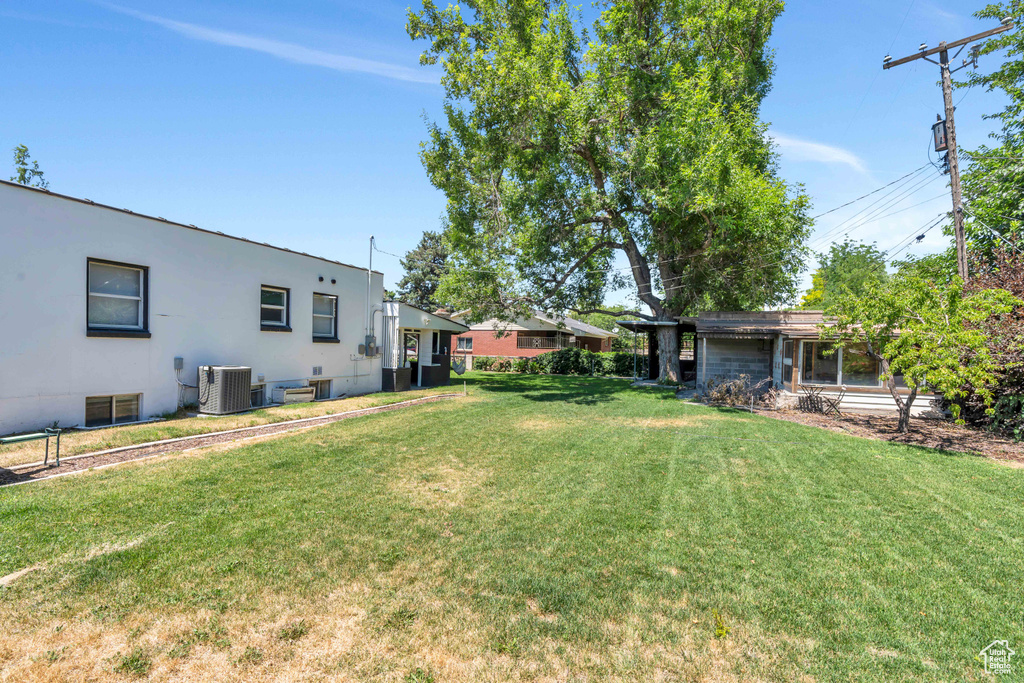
543	528
76	442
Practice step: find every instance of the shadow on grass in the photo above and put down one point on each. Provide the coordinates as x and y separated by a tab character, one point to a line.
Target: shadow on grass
577	389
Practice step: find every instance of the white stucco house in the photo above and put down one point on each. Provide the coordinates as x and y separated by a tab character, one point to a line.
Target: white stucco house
99	302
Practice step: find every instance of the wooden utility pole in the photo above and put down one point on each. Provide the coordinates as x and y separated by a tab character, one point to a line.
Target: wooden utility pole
947	95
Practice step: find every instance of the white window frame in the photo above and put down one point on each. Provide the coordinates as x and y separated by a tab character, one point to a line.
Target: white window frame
283	309
839	370
333	317
113	409
464	344
141	272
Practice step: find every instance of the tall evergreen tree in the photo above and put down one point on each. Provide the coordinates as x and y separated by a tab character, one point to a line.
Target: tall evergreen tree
423	266
565	146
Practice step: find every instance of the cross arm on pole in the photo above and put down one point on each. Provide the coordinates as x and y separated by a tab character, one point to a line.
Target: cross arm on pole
943	47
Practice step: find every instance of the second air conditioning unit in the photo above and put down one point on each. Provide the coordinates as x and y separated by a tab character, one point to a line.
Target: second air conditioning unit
224	389
288	395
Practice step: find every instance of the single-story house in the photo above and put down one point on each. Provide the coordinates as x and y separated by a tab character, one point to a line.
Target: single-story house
529	337
108	314
417	347
785	347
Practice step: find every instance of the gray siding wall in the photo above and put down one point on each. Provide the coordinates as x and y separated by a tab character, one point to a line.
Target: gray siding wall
730	358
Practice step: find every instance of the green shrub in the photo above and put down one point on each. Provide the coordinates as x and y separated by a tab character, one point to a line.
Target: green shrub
583	362
1009	415
566	362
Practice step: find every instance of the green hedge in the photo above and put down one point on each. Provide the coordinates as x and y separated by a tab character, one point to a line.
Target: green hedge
566	362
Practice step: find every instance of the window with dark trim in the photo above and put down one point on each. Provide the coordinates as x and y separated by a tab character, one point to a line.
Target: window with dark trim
274	305
117	299
325	317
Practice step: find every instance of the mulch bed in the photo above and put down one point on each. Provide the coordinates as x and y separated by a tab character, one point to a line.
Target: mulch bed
84	462
929	433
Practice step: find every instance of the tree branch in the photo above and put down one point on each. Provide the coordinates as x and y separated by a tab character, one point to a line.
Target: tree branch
611	313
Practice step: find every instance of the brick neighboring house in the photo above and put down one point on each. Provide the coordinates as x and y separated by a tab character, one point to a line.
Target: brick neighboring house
529	337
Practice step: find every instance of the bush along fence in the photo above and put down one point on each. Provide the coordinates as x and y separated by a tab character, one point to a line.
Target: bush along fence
568	362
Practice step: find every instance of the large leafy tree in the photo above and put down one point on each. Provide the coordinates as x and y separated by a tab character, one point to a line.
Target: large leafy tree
993	178
27	173
423	266
924	331
563	147
846	267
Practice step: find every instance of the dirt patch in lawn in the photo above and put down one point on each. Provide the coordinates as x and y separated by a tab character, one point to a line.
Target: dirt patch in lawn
390	631
668	422
445	486
939	434
539	425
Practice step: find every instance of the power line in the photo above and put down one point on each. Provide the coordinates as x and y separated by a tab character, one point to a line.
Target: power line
867	209
908	189
874	216
994	232
910	240
902	24
863	196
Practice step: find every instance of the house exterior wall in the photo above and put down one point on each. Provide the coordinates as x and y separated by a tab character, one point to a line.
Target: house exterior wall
730	358
486	344
204	306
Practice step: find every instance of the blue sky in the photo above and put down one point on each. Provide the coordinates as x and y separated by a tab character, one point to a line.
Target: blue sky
299	124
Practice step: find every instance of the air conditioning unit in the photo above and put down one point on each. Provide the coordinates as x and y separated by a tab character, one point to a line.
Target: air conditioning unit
224	389
288	395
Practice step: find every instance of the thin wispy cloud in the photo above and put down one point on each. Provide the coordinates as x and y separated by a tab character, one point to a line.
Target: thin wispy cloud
796	149
290	52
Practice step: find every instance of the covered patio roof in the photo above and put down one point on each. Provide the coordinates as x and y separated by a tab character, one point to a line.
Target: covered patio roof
685	325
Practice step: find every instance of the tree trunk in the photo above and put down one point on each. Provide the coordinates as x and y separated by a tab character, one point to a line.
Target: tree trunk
904	424
668	354
902	405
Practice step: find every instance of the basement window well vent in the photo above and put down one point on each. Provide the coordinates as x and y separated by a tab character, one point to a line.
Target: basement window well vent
322	389
257	395
102	411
